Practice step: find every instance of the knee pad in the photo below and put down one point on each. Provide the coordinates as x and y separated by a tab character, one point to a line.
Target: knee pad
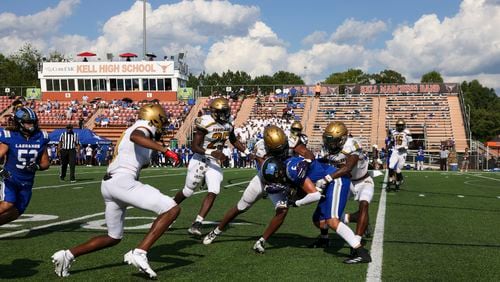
243	205
187	192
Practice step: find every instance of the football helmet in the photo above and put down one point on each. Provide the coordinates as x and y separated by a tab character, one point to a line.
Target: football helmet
25	115
334	137
275	141
400	125
273	170
155	114
296	128
220	110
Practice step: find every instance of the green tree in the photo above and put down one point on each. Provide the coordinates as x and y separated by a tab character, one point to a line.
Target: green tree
27	60
351	76
432	77
284	77
388	76
485	110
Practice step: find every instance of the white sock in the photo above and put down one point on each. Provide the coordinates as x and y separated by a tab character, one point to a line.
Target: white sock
69	255
198	218
345	218
346	233
262	239
140	251
217	231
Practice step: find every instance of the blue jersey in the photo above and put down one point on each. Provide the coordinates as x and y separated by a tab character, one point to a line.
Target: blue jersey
22	152
420	155
315	172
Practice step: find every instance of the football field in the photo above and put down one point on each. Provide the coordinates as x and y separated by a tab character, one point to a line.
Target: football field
440	226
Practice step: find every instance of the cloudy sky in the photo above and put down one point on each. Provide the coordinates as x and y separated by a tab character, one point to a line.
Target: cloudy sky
458	38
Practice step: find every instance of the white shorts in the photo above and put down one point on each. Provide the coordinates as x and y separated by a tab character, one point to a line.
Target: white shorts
254	192
121	191
397	161
363	190
202	167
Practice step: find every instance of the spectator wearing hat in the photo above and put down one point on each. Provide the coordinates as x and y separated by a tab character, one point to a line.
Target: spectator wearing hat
68	146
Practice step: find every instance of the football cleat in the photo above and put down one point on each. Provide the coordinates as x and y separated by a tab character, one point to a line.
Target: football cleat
195	229
209	238
258	247
62	262
320	243
360	255
139	260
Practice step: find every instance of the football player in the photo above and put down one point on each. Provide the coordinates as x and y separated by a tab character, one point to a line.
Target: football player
330	207
274	143
121	189
400	140
347	155
211	134
25	147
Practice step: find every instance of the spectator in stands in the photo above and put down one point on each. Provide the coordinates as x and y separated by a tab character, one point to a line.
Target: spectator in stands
80	122
443	158
85	100
97	121
317	90
104	121
293	93
56	105
465	161
109	154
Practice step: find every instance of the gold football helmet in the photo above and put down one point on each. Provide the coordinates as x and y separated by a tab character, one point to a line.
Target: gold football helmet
220	110
334	137
155	114
296	128
400	125
275	141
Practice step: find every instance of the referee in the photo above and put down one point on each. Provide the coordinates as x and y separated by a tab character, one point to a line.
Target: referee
68	146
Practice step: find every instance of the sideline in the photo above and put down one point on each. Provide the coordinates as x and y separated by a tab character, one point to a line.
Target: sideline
374	272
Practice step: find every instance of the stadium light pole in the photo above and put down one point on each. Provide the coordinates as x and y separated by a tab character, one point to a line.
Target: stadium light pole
144	29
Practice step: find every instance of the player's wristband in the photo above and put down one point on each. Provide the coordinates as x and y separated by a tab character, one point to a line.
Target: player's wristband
208	152
246	152
328	178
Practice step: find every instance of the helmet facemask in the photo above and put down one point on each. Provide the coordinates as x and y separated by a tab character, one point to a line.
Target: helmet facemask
334	144
24	116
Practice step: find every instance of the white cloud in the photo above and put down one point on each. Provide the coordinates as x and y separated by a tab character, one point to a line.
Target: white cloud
260	52
358	32
315	38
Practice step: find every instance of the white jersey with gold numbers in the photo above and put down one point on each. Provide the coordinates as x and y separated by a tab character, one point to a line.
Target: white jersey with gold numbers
129	157
216	133
352	147
401	140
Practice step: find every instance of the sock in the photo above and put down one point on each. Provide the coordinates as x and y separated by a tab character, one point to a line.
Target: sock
217	231
345	218
198	218
140	251
324	232
262	240
346	233
69	255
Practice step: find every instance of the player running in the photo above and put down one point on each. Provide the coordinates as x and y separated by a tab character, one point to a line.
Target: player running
211	134
121	189
401	138
25	147
347	155
275	143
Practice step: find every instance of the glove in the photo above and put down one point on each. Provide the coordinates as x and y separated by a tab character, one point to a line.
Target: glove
32	167
173	156
275	188
302	168
4	174
291	203
323	182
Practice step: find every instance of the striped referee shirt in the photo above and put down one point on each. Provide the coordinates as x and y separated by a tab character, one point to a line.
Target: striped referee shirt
68	141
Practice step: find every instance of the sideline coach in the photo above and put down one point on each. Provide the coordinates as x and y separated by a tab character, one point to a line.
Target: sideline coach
68	146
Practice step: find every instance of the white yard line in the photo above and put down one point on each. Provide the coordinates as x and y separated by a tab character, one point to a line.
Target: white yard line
99	181
374	272
236	184
496	179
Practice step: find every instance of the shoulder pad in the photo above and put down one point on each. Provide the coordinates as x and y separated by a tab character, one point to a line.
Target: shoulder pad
303	139
6	133
293	141
204	122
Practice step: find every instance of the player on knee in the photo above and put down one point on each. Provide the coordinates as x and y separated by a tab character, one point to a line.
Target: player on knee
347	155
211	134
121	189
25	147
275	143
401	138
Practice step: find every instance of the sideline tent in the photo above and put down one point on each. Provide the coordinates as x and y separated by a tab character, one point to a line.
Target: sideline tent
85	136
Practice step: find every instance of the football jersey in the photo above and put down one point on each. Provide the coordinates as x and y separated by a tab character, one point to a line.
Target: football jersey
130	157
22	152
294	141
401	139
216	133
352	147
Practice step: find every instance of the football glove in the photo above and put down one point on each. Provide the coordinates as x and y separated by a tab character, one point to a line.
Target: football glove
275	188
32	167
323	182
4	174
173	156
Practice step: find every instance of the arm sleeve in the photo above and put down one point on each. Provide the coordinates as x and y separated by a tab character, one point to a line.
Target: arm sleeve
308	199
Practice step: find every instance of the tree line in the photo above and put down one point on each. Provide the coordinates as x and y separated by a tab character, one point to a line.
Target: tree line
20	69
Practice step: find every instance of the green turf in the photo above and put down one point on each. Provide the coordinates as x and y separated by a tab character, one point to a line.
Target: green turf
438	236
